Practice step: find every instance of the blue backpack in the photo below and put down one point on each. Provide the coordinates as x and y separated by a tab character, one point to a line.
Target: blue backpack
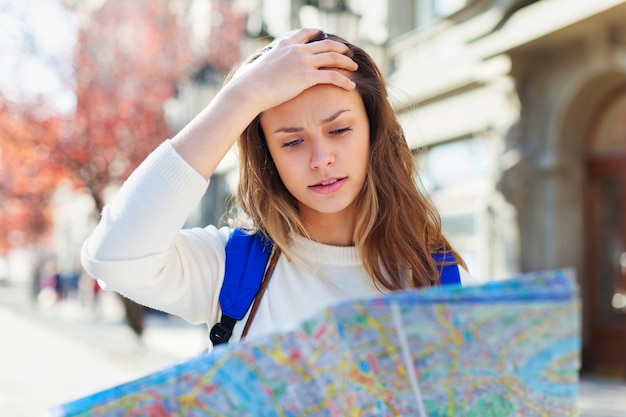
247	256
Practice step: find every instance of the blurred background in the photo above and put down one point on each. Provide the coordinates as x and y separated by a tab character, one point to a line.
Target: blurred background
515	109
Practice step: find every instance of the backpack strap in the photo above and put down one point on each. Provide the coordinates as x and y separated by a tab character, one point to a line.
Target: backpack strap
447	267
246	259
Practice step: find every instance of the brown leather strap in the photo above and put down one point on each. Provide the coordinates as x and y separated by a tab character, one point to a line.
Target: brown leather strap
257	299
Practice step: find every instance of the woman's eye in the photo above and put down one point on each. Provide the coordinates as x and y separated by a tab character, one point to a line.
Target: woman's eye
340	131
292	143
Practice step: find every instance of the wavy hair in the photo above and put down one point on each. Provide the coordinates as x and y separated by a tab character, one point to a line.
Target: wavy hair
397	226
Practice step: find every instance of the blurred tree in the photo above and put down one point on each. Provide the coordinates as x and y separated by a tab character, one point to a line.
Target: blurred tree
129	58
27	173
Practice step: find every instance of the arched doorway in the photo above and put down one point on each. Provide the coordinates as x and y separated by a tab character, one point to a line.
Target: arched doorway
605	289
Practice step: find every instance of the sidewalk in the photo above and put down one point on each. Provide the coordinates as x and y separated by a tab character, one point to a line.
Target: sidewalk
602	398
50	356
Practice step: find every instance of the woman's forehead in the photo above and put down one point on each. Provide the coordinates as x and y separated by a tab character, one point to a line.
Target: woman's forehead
319	102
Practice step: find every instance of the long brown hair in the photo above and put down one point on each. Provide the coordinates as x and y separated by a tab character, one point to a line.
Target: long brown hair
397	226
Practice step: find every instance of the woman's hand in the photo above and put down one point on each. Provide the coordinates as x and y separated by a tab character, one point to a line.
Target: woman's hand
293	64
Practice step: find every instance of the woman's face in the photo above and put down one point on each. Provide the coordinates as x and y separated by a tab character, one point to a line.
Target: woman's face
319	142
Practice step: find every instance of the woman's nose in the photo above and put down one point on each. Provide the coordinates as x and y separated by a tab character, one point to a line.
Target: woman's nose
322	154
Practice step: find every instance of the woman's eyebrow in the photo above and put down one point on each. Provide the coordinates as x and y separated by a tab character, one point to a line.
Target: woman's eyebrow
334	116
288	129
323	121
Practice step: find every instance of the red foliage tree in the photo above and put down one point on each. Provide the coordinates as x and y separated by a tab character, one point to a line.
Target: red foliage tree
129	58
27	174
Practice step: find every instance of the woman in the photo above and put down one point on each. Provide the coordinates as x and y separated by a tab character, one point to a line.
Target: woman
325	173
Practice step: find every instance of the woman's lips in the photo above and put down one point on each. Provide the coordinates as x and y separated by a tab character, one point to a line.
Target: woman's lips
328	186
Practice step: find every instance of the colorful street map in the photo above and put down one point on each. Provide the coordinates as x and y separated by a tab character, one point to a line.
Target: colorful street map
506	348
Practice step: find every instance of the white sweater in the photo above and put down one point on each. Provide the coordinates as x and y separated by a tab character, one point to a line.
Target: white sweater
139	250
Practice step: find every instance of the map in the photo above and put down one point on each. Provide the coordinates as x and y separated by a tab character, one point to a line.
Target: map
505	348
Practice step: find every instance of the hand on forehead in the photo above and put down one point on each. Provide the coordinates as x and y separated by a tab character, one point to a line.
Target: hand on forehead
293	63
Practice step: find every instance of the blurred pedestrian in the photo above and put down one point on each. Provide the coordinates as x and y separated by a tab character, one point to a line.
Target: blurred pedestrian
134	314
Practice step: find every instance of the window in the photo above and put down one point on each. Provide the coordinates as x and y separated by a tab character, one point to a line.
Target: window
453	163
477	220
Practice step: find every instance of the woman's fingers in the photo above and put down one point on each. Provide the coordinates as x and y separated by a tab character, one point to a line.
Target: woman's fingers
335	77
328	45
315	41
334	60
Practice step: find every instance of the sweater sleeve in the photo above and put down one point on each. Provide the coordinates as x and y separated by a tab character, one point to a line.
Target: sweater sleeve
139	249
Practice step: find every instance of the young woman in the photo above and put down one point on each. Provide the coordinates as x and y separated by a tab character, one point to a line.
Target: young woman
325	173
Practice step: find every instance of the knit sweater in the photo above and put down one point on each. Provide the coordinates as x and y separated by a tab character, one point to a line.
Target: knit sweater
141	250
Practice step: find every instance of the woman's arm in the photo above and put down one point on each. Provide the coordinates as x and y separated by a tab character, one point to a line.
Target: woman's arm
139	250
